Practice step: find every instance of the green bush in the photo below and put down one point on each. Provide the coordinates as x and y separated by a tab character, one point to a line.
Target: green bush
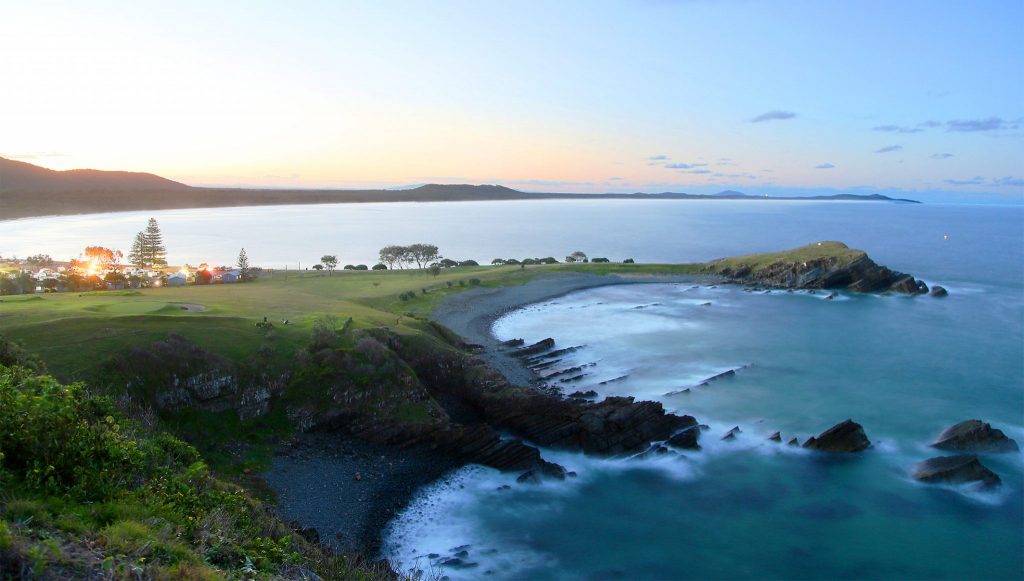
474	282
628	261
57	439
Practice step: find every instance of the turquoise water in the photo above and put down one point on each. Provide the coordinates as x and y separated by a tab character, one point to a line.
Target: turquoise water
905	368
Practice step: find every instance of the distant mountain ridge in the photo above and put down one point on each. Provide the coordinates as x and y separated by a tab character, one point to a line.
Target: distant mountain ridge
28	190
22	176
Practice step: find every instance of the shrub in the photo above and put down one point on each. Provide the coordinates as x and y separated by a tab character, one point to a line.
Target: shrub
462	282
424	290
449	283
599	260
361	267
348	267
498	262
469	263
380	266
628	261
474	282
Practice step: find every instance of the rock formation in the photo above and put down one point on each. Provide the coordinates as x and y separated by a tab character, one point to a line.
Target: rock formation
822	265
846	436
960	469
975	436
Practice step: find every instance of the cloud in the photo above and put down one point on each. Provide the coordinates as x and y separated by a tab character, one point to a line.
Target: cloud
930	124
773	116
941	155
825	165
896	129
699	171
889	148
658	158
975	125
1008	181
683	165
975	181
615	179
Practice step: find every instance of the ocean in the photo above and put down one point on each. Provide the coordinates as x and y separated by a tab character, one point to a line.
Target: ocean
903	367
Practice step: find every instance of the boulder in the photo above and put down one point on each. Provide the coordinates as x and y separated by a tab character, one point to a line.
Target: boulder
793	442
687	439
938	291
961	469
731	434
546	470
846	436
775	437
975	436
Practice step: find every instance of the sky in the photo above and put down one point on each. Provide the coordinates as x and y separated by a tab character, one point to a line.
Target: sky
699	96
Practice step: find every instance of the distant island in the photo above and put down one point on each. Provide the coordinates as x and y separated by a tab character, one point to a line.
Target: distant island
28	190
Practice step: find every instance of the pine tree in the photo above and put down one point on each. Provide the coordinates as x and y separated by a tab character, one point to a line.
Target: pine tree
137	255
155	252
243	266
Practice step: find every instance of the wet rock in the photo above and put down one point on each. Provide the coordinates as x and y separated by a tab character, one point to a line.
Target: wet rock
514	343
975	436
731	434
536	475
846	436
589	394
831	296
688	439
457	563
960	469
938	291
793	442
775	437
706	304
538	347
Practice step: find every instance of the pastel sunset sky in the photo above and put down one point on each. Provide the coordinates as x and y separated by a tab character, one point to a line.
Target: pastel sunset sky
694	96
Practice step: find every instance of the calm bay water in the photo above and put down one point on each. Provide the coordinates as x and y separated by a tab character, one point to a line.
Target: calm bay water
903	367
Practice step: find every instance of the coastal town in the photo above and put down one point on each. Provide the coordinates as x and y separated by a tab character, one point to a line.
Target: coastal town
101	268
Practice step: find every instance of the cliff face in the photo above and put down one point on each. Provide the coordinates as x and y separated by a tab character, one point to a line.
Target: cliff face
405	392
823	265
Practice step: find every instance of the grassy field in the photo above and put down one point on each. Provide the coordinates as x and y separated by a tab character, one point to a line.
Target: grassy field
75	332
815	251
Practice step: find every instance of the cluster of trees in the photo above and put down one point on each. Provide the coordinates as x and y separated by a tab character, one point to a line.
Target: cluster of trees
523	262
419	254
148	250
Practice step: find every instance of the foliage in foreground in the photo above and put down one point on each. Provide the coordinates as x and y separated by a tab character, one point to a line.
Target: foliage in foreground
84	493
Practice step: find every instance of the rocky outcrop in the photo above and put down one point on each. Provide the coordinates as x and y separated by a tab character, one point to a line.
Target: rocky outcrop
174	374
962	469
938	291
535	349
846	436
688	439
615	425
975	436
824	265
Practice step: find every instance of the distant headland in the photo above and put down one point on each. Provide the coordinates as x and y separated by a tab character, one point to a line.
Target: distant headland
28	190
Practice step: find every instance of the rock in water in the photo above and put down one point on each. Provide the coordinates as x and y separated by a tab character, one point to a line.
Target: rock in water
546	470
960	469
687	439
938	291
775	437
731	434
975	436
847	436
793	442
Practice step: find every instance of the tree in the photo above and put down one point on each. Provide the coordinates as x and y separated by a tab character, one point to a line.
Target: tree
137	255
102	256
330	262
435	269
243	266
498	262
576	256
155	253
318	267
423	254
469	263
391	255
448	263
40	260
380	266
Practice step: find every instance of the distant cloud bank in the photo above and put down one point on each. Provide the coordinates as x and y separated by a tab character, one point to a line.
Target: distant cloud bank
776	115
941	155
825	165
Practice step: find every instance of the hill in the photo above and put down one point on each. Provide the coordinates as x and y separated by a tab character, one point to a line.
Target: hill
21	176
